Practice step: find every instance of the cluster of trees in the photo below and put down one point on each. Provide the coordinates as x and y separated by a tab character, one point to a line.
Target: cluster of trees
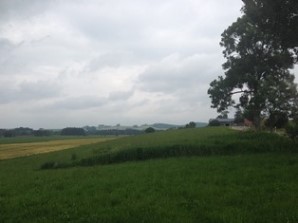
69	131
21	131
93	131
149	130
72	131
260	49
116	132
190	125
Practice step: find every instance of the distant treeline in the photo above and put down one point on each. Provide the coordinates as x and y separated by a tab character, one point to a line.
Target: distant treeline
69	131
26	132
118	132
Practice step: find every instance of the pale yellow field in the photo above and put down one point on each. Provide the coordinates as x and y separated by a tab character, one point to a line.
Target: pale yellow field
8	151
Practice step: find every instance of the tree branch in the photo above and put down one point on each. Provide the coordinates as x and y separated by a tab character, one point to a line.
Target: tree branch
242	91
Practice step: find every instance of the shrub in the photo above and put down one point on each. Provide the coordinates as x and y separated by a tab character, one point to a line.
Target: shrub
150	130
190	125
292	130
73	157
48	165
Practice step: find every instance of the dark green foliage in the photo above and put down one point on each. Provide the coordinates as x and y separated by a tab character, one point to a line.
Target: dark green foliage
214	122
257	63
74	156
190	125
277	120
2	131
48	165
16	132
149	130
9	133
223	115
117	132
70	131
292	130
278	19
24	132
42	132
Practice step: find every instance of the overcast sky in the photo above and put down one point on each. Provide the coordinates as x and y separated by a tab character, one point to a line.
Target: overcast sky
75	63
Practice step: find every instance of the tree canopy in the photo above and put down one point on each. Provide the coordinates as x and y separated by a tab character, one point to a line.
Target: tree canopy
278	18
190	125
72	131
258	59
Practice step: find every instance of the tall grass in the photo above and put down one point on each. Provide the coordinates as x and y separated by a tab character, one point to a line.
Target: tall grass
246	188
258	183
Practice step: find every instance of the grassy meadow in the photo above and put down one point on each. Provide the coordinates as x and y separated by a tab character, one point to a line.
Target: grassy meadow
190	175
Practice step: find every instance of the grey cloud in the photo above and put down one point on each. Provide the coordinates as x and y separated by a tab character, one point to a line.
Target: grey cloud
29	91
149	30
6	52
79	103
19	9
6	45
91	101
120	95
175	73
39	89
76	59
112	59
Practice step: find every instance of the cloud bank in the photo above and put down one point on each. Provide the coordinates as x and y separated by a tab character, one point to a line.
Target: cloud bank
74	63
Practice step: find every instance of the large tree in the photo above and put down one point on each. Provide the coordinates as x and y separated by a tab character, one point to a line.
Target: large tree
278	18
257	67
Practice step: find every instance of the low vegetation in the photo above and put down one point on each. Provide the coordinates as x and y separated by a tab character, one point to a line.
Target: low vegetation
187	142
237	177
292	130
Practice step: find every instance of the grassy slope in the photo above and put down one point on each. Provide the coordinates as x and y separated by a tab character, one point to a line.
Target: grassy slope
240	188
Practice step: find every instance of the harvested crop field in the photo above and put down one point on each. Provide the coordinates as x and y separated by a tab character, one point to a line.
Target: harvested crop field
13	150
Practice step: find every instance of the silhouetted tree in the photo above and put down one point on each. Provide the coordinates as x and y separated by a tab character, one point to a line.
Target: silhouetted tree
214	122
190	125
70	131
257	65
149	130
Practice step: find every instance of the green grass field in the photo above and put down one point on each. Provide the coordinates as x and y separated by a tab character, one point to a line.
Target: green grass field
235	177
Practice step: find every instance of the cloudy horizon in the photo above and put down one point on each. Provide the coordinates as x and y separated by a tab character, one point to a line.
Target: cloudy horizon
76	63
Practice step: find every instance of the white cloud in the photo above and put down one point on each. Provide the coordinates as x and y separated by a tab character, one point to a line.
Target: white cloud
174	73
71	63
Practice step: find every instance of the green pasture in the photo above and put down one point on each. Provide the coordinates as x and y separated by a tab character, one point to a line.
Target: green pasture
255	181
